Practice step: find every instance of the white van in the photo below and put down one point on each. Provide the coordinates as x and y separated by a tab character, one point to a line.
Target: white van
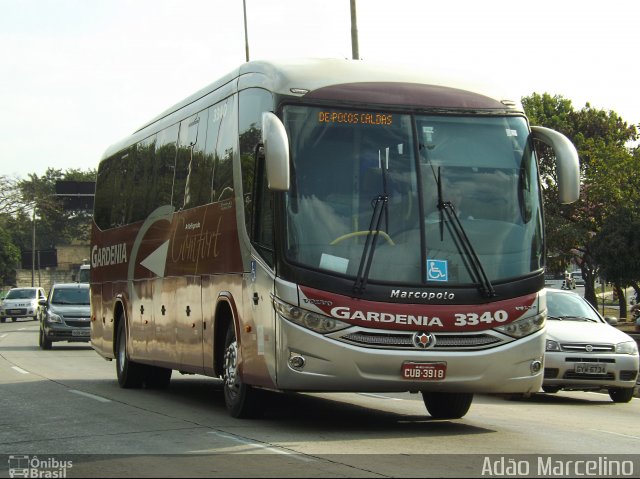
83	273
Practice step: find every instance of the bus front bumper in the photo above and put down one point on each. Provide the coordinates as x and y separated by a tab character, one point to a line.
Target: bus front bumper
307	361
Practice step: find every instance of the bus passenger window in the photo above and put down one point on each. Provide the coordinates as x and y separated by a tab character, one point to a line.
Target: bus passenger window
162	179
263	218
191	182
220	141
142	206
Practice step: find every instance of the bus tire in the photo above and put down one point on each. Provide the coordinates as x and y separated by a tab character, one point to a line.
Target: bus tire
130	374
157	377
447	405
242	400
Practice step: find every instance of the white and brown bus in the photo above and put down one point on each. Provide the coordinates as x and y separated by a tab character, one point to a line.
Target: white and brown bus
327	225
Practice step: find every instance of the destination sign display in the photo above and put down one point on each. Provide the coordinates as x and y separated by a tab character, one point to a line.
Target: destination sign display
355	118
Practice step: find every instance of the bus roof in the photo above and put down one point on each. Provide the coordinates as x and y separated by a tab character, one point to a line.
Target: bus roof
308	77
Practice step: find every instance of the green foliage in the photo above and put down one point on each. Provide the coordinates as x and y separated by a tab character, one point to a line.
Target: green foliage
617	247
610	182
9	258
53	225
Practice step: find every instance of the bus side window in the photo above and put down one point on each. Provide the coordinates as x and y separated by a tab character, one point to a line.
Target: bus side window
262	234
121	168
142	205
190	185
161	182
107	176
253	102
220	141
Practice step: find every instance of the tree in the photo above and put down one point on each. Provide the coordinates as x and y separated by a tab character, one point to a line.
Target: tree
617	249
10	196
608	173
53	225
9	258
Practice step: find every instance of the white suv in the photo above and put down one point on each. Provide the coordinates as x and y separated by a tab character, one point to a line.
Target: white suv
22	303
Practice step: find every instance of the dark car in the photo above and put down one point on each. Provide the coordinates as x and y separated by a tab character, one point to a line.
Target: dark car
67	315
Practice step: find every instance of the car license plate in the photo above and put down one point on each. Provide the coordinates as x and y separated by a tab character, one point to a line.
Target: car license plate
81	332
424	371
588	368
14	311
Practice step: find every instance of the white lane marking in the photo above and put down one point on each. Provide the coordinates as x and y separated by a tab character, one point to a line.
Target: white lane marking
292	454
379	396
4	336
20	370
616	433
90	396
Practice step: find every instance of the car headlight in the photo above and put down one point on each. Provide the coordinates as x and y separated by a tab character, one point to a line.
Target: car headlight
523	327
316	322
53	317
628	347
552	345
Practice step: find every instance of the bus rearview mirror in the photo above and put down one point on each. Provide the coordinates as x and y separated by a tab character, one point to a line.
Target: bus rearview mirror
276	152
567	162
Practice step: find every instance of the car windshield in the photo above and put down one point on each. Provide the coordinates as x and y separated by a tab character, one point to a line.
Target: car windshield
358	171
569	306
21	294
79	296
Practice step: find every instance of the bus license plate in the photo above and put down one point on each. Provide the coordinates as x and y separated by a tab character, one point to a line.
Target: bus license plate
587	368
424	371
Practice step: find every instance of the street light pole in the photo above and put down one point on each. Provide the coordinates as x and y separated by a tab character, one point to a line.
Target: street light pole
33	248
355	50
246	34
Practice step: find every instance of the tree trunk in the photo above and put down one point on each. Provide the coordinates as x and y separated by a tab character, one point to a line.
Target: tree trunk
622	301
589	286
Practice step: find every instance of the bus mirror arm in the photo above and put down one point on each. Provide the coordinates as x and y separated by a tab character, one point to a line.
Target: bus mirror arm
567	162
276	152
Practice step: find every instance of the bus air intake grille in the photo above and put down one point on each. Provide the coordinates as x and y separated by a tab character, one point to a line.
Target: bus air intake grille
443	341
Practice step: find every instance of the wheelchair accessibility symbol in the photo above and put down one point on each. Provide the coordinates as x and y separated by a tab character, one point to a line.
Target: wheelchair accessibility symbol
437	270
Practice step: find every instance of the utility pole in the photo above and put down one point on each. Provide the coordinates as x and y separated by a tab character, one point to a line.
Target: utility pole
355	52
246	34
33	247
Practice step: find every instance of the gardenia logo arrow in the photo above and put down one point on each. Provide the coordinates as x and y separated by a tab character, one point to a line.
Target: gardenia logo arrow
156	262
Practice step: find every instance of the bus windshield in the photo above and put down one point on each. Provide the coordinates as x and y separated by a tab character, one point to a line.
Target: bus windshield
383	178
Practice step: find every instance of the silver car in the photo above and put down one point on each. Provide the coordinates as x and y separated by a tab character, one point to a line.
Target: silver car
67	315
584	352
21	303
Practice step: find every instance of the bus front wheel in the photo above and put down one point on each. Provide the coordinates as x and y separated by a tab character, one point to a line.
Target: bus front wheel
447	405
242	400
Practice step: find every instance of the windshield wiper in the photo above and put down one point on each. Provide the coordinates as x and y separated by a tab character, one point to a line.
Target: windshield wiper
380	203
576	318
463	243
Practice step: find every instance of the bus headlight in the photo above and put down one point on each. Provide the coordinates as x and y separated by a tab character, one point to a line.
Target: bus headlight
308	319
523	327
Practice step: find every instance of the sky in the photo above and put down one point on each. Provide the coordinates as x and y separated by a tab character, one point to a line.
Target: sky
79	75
